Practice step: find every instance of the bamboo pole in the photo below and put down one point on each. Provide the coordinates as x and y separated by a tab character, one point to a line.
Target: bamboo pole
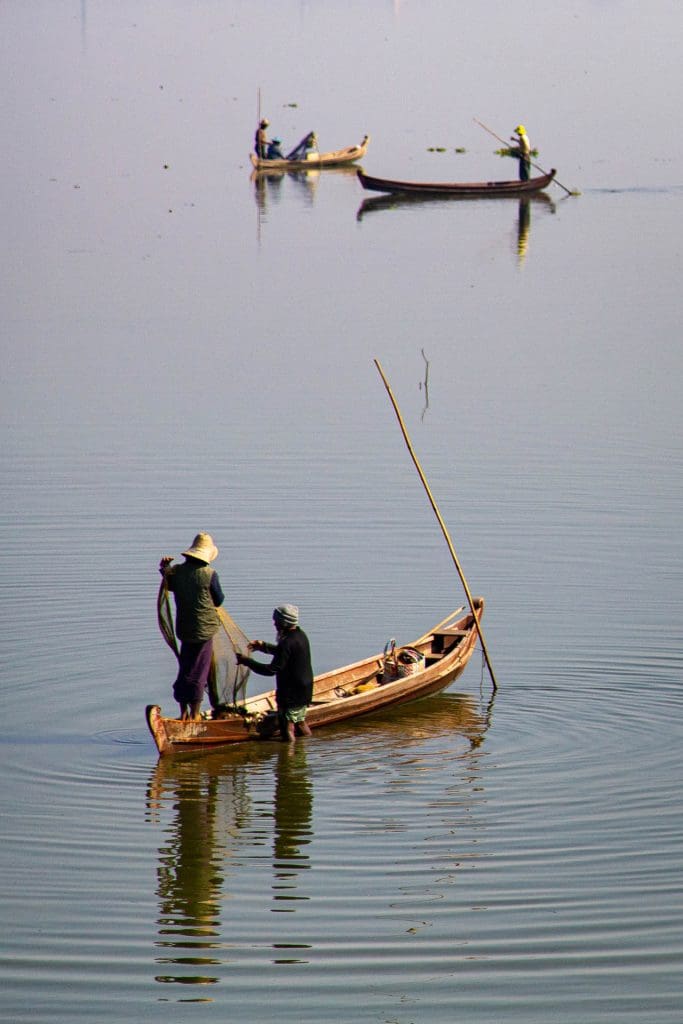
441	522
567	190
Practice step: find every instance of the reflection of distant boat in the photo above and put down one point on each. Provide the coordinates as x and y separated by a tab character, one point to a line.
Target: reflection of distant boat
443	188
334	158
297	173
398	199
269	182
428	665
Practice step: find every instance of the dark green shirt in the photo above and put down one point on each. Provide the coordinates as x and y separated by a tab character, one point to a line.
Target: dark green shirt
197	592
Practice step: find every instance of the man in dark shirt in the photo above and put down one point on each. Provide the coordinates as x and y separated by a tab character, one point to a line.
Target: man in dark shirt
291	666
197	592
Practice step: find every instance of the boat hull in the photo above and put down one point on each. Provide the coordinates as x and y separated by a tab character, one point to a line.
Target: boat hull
335	158
443	188
358	689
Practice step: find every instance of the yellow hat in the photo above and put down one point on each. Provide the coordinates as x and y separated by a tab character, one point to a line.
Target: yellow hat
520	129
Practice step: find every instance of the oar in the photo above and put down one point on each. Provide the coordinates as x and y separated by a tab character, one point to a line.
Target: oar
567	190
441	522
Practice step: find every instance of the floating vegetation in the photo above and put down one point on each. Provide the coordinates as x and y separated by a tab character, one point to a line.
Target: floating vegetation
436	149
509	151
460	149
291	104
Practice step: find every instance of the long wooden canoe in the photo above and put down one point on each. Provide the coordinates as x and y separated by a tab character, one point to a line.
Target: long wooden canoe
444	188
314	160
431	663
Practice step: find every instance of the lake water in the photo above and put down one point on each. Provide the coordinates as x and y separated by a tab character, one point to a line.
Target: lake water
186	349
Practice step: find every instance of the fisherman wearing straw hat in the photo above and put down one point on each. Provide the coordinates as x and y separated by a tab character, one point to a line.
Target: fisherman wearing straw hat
197	592
291	666
523	152
261	140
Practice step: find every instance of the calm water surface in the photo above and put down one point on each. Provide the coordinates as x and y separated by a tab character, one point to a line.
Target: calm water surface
185	348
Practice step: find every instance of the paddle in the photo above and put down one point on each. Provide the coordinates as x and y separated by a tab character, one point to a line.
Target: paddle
567	190
441	522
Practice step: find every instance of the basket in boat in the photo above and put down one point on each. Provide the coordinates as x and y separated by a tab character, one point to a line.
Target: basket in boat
409	661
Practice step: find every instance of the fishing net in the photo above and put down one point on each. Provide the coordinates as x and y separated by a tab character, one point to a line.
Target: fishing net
227	679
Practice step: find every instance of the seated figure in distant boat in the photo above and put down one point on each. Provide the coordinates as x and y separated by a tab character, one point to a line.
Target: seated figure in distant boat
309	144
522	152
274	151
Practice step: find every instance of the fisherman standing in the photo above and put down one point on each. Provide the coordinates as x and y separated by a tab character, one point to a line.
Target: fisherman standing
197	592
522	152
261	140
291	666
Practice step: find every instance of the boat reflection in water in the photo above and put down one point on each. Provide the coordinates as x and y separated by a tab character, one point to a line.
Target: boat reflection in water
271	185
396	200
215	815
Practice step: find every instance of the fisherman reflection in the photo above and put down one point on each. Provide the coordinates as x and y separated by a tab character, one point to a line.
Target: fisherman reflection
523	227
293	807
189	882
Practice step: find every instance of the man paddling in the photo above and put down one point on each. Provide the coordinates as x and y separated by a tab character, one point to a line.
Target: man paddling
523	152
291	666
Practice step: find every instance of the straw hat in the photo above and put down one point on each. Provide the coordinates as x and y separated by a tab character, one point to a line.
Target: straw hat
202	548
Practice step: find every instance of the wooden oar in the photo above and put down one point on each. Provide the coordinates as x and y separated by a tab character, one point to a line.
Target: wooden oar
507	146
441	522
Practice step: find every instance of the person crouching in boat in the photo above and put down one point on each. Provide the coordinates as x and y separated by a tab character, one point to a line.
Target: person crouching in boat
197	592
291	666
261	139
274	151
523	152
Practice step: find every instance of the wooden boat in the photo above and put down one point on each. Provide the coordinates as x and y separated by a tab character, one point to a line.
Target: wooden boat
473	188
426	666
314	160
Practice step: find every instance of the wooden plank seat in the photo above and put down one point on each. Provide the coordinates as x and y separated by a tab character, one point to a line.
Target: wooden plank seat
441	636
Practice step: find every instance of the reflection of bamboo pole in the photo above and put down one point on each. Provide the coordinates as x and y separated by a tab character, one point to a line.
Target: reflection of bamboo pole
441	522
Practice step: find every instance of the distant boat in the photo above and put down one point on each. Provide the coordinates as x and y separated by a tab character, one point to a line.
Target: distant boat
426	666
473	188
313	160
